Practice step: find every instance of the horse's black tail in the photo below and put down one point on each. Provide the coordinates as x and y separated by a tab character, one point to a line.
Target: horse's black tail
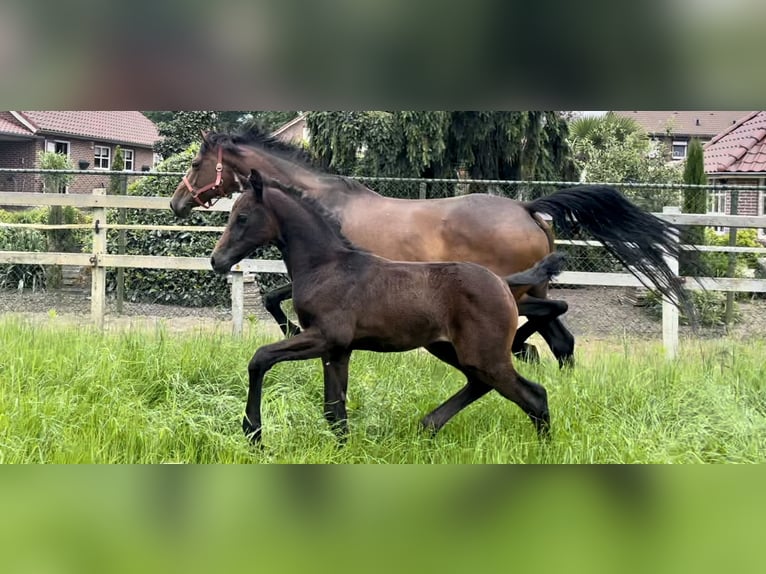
544	270
638	239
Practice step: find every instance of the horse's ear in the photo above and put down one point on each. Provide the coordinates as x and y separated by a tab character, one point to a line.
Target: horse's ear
256	181
204	134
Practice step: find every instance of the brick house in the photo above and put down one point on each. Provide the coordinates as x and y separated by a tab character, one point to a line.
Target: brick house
676	129
89	137
737	156
295	131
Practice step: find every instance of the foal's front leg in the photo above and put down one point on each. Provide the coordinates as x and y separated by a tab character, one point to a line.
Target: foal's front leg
335	366
309	344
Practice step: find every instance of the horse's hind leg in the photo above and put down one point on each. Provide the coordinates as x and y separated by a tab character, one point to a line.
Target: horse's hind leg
473	390
335	366
273	303
542	316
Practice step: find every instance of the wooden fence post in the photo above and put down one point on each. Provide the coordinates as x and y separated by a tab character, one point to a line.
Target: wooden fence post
98	271
670	311
237	301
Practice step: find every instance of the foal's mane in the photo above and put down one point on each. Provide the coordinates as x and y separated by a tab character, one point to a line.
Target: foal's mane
256	137
317	210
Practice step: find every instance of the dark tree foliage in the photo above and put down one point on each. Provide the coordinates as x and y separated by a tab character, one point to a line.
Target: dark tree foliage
181	129
443	144
694	201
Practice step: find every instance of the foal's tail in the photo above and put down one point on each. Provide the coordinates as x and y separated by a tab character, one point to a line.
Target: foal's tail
544	270
638	239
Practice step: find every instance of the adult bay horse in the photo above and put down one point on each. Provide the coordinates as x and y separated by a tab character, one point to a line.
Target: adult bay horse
502	234
348	299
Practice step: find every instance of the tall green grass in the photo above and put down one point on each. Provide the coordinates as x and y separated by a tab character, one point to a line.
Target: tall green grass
69	395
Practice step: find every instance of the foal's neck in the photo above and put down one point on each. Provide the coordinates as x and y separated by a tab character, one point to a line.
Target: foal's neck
307	237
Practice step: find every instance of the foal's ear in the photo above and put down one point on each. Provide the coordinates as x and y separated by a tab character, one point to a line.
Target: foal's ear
256	181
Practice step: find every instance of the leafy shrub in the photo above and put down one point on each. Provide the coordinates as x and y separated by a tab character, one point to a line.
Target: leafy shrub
709	305
718	263
19	239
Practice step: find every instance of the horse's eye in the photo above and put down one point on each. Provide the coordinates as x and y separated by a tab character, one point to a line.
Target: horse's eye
196	164
242	218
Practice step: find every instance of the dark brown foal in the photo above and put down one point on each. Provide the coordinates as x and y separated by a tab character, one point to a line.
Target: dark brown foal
348	299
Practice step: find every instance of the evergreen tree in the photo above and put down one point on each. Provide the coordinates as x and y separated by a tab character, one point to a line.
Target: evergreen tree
694	201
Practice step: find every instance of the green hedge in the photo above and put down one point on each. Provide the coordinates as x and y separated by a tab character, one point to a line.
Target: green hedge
168	286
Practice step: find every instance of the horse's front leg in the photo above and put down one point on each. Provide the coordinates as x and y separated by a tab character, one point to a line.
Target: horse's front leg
273	303
335	366
309	344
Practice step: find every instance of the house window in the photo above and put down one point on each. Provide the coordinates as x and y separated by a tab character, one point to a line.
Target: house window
127	155
57	146
717	206
101	157
679	149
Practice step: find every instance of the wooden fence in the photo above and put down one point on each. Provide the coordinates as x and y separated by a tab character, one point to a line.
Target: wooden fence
99	260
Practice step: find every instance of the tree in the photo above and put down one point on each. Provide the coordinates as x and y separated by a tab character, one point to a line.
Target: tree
436	144
181	129
611	152
591	128
694	201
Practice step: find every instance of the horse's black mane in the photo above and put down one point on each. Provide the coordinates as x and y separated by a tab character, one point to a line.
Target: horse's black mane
317	210
257	136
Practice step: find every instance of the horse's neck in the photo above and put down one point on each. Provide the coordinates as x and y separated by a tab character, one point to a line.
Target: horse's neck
308	241
332	192
274	167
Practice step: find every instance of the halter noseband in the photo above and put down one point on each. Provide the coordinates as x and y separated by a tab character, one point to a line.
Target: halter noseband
211	186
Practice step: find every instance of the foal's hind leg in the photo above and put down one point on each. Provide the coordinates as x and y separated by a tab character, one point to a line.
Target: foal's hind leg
273	303
472	391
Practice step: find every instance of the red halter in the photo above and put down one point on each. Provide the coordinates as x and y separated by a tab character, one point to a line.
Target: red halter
211	186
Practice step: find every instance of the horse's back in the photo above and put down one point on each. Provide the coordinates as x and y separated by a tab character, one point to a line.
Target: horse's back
495	232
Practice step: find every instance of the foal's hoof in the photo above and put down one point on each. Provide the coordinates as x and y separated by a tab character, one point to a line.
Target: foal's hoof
567	362
543	426
251	432
528	353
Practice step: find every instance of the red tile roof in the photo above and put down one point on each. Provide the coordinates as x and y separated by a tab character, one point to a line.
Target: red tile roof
110	126
739	149
685	123
9	125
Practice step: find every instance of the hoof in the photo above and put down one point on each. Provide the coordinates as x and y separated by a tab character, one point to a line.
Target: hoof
528	353
251	432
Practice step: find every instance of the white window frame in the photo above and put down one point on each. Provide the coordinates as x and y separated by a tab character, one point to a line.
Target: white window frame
97	157
680	143
716	205
50	145
761	205
132	159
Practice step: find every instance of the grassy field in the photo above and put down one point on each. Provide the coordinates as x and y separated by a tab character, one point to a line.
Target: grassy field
69	395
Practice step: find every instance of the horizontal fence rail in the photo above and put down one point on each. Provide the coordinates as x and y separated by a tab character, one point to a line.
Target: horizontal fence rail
98	260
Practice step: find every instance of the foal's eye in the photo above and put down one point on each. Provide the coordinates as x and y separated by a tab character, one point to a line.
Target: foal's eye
241	219
196	163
